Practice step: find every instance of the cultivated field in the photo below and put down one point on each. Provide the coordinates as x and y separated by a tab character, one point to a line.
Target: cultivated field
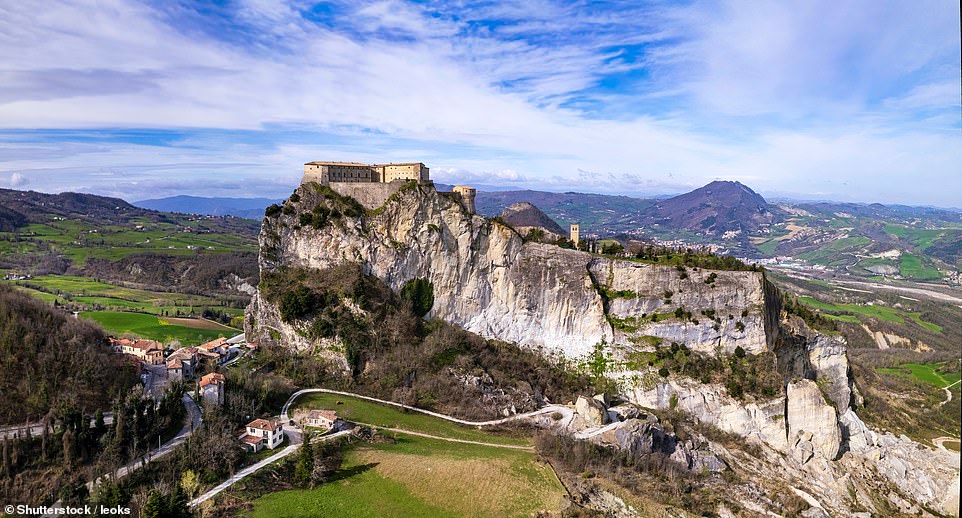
416	476
156	328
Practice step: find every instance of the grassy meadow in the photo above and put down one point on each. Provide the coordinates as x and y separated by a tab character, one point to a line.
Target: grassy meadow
925	373
416	476
187	331
368	412
850	312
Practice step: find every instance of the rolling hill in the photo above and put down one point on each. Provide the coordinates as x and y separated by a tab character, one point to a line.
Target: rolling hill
250	208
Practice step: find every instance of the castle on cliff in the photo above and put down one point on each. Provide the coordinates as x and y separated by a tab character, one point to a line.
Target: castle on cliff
373	184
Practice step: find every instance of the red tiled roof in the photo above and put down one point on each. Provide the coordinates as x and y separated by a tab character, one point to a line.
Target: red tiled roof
330	415
263	424
213	344
212	379
251	439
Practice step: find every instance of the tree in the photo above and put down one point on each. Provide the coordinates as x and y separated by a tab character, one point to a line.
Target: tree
154	506
177	505
420	293
68	448
7	471
190	482
100	427
305	462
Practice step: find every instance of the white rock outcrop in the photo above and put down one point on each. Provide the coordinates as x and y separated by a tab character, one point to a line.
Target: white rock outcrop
490	281
812	420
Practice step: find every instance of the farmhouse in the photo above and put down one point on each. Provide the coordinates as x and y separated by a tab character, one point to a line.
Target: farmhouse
212	388
262	433
321	418
147	351
183	364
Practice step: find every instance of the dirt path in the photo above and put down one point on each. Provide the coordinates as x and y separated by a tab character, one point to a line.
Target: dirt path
948	393
563	410
463	441
940	443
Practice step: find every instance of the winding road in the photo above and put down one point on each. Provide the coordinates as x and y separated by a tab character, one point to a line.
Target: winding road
294	434
563	410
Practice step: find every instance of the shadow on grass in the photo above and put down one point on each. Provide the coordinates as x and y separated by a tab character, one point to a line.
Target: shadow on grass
345	473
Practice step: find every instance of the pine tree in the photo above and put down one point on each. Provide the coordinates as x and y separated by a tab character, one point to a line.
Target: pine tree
177	504
305	462
153	507
7	471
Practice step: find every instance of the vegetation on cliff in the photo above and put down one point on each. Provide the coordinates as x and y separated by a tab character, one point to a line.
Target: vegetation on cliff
393	353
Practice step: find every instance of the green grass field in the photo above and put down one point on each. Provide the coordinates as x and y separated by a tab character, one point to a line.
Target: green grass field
81	240
845	312
924	372
424	477
767	247
97	296
359	410
154	328
914	267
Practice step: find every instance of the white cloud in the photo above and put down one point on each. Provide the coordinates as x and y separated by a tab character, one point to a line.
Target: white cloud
485	103
18	180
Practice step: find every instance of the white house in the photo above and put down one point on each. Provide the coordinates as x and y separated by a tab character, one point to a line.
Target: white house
212	388
261	433
321	418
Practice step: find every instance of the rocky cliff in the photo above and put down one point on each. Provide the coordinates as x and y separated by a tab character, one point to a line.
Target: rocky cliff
489	280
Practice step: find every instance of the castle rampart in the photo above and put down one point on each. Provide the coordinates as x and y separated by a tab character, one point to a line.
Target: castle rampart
372	184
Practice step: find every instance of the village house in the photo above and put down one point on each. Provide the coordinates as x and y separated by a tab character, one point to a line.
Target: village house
321	418
218	347
262	433
184	363
147	351
212	388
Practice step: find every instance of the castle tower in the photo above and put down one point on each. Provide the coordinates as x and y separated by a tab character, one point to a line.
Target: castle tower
575	234
467	196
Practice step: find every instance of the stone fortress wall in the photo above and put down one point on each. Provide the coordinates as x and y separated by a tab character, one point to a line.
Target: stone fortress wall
372	184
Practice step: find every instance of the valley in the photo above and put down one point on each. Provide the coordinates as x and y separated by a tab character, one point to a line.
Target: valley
682	366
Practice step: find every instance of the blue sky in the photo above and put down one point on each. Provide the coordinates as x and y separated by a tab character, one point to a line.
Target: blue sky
851	101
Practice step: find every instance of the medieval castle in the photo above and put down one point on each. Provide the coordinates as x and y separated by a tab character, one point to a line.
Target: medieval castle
373	184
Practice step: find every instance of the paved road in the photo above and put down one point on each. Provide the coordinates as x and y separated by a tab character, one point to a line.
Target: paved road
253	468
294	434
940	443
37	428
195	421
563	410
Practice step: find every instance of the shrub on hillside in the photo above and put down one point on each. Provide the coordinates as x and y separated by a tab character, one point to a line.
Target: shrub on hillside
420	293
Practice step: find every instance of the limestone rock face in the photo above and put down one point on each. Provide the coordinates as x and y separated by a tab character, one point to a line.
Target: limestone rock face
731	297
490	281
811	419
592	411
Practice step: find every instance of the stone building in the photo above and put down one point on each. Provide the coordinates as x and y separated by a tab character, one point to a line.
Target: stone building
575	233
211	388
326	173
467	196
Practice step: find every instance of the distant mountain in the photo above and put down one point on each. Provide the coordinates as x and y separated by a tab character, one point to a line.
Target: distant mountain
20	207
251	208
716	208
525	216
595	212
